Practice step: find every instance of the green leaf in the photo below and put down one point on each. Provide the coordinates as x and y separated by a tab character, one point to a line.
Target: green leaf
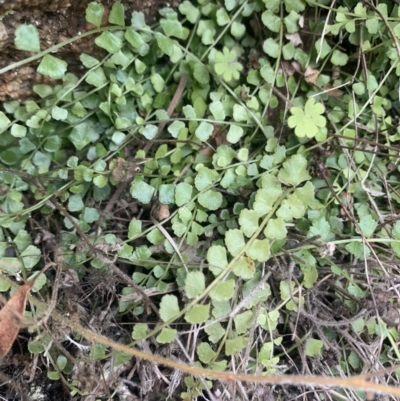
150	131
372	25
166	336
294	170
354	360
198	314
194	284
139	331
205	352
211	200
320	227
83	134
204	131
234	241
223	291
109	42
235	133
39	282
52	67
96	77
157	82
35	347
201	74
243	321
167	193
239	113
175	128
265	199
291	208
183	193
291	22
358	249
295	5
286	295
227	65
244	268
58	113
117	14
313	347
215	331
189	11
30	257
248	220
237	30
120	358
205	177
10	265
206	29
27	38
156	238
53	375
136	40
165	44
259	250
307	122
271	47
235	345
137	21
18	131
367	225
276	229
4	120
141	191
271	21
217	258
222	17
310	276
90	215
94	13
100	181
169	308
174	28
339	58
322	50
61	362
97	351
288	51
217	110
88	61
75	203
4	286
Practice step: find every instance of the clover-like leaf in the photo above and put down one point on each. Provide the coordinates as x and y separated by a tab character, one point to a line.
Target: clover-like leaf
294	170
169	307
94	13
53	67
227	65
27	38
307	122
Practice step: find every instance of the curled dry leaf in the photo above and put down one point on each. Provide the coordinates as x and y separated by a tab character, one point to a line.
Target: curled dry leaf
311	75
12	312
10	317
332	91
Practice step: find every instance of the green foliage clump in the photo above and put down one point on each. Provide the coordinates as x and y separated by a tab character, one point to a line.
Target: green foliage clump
263	169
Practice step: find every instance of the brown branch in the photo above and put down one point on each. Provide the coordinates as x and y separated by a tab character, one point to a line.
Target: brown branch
174	102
